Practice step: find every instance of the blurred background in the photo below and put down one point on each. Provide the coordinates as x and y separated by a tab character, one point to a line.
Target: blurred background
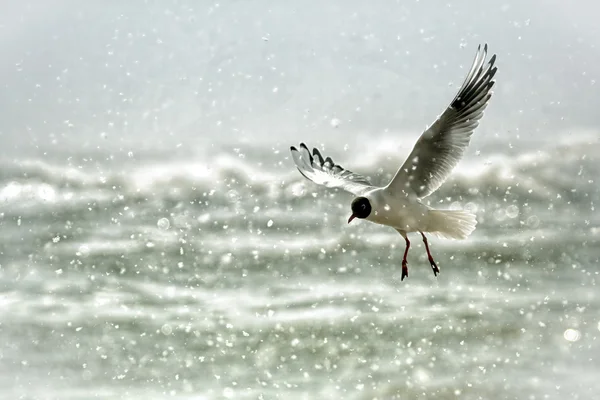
158	241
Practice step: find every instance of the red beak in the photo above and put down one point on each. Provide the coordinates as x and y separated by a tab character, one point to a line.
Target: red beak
351	218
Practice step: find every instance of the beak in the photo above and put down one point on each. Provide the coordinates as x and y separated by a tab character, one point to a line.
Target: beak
351	218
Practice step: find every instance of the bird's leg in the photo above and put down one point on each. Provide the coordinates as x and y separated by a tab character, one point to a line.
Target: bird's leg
434	266
404	262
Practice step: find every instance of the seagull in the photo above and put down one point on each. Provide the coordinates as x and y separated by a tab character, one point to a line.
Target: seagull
435	154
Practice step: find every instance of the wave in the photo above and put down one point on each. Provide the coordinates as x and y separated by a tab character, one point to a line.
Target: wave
563	174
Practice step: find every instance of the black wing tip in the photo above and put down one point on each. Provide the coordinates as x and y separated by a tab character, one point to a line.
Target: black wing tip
310	157
485	50
492	68
481	80
302	146
492	59
317	154
491	74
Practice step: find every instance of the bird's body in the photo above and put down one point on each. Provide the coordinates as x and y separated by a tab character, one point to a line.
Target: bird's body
408	214
434	156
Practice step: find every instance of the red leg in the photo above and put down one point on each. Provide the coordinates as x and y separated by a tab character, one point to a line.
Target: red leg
404	262
434	266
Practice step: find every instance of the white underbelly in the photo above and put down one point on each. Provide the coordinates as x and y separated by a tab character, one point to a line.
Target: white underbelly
409	217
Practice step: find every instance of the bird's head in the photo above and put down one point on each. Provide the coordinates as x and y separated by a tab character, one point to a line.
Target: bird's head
361	208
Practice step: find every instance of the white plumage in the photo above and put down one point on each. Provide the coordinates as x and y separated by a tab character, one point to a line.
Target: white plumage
432	159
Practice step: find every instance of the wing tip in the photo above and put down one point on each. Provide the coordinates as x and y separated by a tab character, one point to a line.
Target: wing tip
312	167
317	154
310	157
492	59
479	80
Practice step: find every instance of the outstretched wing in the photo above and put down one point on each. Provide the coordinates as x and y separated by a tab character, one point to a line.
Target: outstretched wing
441	147
327	173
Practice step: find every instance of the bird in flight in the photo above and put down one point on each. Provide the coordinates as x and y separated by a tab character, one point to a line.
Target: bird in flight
434	156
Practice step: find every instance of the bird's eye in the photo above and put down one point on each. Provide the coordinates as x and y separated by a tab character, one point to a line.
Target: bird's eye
363	206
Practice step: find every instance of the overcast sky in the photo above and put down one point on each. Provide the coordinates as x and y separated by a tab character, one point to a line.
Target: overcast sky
157	71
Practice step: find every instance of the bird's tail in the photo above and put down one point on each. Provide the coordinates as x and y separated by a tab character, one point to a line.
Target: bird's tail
451	224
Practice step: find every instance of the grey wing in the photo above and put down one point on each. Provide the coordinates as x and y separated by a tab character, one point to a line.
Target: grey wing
441	147
327	173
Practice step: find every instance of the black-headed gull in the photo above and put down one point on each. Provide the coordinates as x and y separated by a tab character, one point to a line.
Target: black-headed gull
432	159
